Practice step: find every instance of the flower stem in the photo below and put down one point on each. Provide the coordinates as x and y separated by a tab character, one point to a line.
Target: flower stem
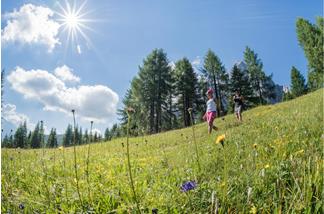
75	161
129	167
194	137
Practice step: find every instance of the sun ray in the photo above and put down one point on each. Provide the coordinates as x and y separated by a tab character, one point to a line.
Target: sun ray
74	21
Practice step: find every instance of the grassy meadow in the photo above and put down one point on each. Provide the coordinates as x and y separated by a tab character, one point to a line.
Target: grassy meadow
270	163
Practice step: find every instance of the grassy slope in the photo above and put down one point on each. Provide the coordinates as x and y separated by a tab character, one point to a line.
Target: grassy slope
284	171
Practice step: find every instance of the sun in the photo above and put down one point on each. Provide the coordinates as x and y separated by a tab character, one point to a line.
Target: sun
74	21
71	20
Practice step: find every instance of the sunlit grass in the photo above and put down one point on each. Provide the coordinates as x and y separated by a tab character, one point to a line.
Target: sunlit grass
272	162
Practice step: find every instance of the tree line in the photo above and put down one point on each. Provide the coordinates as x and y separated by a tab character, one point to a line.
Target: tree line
22	138
161	94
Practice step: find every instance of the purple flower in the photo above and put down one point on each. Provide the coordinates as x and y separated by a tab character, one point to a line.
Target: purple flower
189	185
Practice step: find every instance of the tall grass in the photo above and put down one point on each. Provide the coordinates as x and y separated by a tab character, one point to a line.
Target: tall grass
283	173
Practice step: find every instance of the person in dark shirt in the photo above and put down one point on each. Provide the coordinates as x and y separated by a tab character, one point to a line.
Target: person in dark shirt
238	105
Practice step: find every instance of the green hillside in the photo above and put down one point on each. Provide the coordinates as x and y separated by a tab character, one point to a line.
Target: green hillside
270	163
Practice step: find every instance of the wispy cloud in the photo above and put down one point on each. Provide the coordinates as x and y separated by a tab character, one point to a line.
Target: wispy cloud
10	114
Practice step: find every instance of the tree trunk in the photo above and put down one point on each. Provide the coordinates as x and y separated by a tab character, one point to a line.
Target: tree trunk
216	94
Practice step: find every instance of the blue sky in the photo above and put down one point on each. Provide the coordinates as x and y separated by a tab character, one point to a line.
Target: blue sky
122	34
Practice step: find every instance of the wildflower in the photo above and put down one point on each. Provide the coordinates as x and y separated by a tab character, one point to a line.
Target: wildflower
249	192
266	166
255	145
189	110
21	206
60	147
299	152
75	180
253	210
189	185
220	139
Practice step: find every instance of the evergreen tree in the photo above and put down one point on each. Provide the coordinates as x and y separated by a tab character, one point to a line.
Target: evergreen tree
20	137
310	37
95	137
29	137
262	85
68	136
201	99
6	142
86	138
36	137
287	96
298	86
107	134
151	90
186	88
79	136
215	72
41	134
52	139
11	140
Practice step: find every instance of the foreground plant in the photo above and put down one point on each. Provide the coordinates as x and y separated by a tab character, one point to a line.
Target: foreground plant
130	111
75	160
194	137
88	163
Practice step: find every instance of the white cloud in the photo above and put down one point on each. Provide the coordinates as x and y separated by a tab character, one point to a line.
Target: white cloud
65	74
10	114
97	102
32	25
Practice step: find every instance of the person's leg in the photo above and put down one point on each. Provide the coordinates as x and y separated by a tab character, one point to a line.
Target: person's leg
240	113
209	128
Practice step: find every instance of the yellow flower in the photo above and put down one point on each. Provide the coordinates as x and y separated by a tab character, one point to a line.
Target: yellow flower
266	166
299	152
255	145
61	148
253	210
75	180
220	139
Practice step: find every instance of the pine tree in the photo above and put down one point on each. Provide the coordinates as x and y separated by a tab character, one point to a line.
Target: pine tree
186	88
95	137
5	142
310	37
151	90
298	86
85	138
52	139
107	134
215	72
68	136
20	137
35	138
262	85
201	99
